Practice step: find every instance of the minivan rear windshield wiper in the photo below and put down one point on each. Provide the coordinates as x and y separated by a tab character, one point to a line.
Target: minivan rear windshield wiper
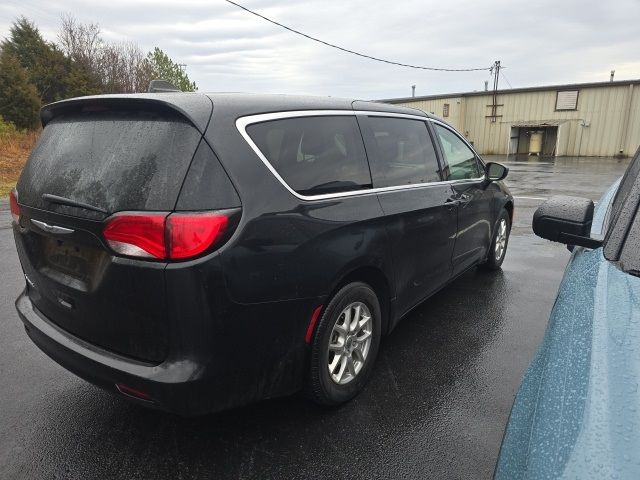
47	197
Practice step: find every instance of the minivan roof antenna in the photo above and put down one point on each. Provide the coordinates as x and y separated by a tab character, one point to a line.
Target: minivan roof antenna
161	86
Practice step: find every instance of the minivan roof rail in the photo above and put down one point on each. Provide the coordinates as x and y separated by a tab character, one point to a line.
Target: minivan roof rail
161	86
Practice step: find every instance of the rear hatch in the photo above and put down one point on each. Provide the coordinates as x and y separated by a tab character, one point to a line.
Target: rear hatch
92	161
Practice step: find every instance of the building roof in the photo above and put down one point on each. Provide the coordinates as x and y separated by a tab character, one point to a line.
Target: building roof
571	86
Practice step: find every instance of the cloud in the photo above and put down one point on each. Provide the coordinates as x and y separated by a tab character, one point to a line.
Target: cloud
227	49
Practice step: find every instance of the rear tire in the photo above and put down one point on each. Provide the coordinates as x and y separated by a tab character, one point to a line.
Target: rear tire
498	249
345	345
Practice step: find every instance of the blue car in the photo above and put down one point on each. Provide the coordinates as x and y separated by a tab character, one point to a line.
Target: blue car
577	412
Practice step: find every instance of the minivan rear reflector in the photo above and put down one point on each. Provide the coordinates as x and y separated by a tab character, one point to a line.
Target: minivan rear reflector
312	324
163	236
13	205
132	392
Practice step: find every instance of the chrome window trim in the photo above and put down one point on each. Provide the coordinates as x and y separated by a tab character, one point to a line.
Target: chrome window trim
243	122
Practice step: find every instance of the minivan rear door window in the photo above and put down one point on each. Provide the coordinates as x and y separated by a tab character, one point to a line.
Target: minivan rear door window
315	155
109	161
402	152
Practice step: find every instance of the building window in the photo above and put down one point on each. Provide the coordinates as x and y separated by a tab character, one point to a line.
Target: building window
445	110
567	100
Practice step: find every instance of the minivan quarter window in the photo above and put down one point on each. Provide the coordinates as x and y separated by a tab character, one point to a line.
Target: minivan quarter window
402	152
461	160
315	155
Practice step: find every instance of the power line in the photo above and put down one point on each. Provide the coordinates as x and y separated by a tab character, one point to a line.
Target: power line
353	52
506	79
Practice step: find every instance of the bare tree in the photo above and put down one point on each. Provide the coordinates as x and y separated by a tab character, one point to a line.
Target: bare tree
81	42
123	68
113	67
144	74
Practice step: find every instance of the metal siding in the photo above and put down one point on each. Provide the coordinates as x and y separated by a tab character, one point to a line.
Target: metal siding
604	108
633	129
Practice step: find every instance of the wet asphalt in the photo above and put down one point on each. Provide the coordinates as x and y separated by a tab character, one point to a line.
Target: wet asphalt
436	406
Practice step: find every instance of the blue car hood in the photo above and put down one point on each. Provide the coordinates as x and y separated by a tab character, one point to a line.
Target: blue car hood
577	412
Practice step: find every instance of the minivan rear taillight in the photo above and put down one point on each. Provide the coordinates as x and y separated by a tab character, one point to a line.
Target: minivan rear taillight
13	205
190	234
137	234
176	236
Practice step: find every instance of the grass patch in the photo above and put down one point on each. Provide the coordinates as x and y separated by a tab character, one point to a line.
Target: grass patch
15	147
5	188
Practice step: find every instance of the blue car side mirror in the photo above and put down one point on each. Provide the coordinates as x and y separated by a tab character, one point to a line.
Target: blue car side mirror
566	220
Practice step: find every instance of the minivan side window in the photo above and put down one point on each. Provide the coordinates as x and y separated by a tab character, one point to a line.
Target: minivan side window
315	155
403	152
461	159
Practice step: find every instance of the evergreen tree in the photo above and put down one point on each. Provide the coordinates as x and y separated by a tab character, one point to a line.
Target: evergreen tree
54	75
164	68
19	101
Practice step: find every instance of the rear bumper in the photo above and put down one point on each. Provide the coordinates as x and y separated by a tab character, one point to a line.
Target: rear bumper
194	382
171	386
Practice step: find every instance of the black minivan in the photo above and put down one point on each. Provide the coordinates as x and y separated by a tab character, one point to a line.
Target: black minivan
196	252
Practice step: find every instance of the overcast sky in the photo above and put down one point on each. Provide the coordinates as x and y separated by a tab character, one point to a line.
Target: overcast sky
227	49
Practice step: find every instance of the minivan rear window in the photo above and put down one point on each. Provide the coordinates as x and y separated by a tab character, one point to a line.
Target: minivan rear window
111	160
315	155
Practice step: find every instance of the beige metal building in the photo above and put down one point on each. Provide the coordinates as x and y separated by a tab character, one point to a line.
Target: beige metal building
592	119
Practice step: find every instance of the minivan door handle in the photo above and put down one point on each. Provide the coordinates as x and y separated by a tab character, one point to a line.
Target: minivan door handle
458	200
450	203
464	199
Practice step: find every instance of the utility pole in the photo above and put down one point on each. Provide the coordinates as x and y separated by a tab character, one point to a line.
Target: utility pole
495	70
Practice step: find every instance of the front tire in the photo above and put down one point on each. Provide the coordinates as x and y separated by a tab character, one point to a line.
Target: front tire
498	249
345	345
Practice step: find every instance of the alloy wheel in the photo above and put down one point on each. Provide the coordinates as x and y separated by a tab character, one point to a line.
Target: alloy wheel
501	239
349	343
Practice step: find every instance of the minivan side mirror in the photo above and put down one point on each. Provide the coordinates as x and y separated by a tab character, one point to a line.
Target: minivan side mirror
495	171
566	220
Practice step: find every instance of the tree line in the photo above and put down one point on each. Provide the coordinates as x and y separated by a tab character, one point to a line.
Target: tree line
34	72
